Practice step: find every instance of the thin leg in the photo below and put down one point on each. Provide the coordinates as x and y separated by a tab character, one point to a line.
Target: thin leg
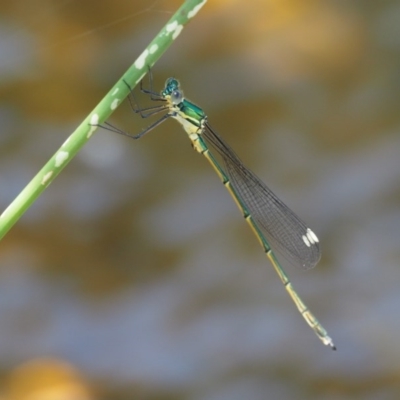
153	95
134	104
112	128
151	110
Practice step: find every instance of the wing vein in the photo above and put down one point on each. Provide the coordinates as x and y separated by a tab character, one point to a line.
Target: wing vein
283	229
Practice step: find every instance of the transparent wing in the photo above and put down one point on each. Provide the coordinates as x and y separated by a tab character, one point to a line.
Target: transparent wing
286	233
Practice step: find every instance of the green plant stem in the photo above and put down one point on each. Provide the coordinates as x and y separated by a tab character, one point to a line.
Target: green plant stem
99	114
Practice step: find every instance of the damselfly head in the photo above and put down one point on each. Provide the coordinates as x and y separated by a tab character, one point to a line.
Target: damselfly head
171	84
172	91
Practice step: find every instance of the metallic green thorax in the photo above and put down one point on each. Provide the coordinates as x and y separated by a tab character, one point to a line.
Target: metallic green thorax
192	112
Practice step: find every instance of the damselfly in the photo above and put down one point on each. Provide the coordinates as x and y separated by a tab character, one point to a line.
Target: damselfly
277	228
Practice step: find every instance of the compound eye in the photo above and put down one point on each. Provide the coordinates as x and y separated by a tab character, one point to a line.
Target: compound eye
176	96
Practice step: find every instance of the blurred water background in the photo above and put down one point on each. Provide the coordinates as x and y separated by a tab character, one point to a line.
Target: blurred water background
134	276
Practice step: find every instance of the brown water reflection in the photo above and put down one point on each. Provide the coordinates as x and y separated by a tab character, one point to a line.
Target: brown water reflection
136	269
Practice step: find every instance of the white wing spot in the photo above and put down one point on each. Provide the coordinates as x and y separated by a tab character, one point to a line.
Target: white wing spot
305	240
196	9
61	157
312	237
140	62
46	178
114	104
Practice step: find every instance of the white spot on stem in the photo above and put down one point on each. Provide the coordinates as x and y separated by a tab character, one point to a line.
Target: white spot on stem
116	90
140	62
178	30
153	49
46	178
171	27
174	28
61	157
196	9
93	122
114	104
95	119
